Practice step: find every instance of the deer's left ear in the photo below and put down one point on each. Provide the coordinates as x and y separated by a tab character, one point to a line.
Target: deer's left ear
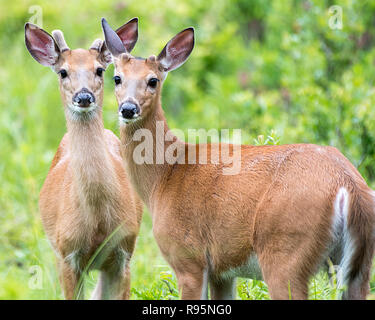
177	50
123	40
104	55
128	34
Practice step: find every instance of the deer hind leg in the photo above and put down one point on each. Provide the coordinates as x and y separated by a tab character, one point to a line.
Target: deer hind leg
287	266
69	278
112	286
355	270
358	287
127	281
223	288
284	278
114	279
192	282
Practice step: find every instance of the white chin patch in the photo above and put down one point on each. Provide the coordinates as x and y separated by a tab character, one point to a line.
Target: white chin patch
75	108
122	120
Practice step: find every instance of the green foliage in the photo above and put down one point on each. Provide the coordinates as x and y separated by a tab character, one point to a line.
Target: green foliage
164	288
272	139
252	290
257	65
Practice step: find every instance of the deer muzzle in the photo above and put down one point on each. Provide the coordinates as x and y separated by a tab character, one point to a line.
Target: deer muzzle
84	98
129	110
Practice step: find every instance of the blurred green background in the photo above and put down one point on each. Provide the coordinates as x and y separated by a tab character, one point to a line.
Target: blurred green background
268	67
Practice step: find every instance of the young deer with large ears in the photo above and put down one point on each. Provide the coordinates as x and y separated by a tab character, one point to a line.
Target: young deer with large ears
287	210
86	195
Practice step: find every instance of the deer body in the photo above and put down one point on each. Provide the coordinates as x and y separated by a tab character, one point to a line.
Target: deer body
287	210
251	224
86	196
82	202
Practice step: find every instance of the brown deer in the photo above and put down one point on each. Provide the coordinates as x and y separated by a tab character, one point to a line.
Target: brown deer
287	209
86	196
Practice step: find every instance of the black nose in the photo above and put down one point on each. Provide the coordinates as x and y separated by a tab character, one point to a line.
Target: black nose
128	110
84	98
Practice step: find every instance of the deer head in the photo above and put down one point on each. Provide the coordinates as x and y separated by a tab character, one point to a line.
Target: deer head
80	71
138	81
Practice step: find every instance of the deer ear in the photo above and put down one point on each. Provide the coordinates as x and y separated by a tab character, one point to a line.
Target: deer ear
128	34
177	50
104	56
41	45
112	40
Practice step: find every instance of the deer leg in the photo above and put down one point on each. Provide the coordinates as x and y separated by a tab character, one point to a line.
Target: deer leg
108	287
223	289
126	287
112	286
286	270
114	280
357	275
69	279
192	283
358	289
284	276
287	288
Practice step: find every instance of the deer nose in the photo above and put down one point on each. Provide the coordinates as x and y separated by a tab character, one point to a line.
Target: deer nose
84	98
128	110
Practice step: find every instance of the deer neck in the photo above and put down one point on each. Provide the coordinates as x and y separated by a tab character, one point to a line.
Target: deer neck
90	160
146	177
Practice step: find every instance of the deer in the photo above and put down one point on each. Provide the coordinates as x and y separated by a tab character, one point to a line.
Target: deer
86	198
279	218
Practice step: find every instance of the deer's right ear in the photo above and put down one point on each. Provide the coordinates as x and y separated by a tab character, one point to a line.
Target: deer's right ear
41	45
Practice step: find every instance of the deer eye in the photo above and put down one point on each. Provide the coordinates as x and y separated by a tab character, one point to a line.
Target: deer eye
63	73
153	82
117	79
99	72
